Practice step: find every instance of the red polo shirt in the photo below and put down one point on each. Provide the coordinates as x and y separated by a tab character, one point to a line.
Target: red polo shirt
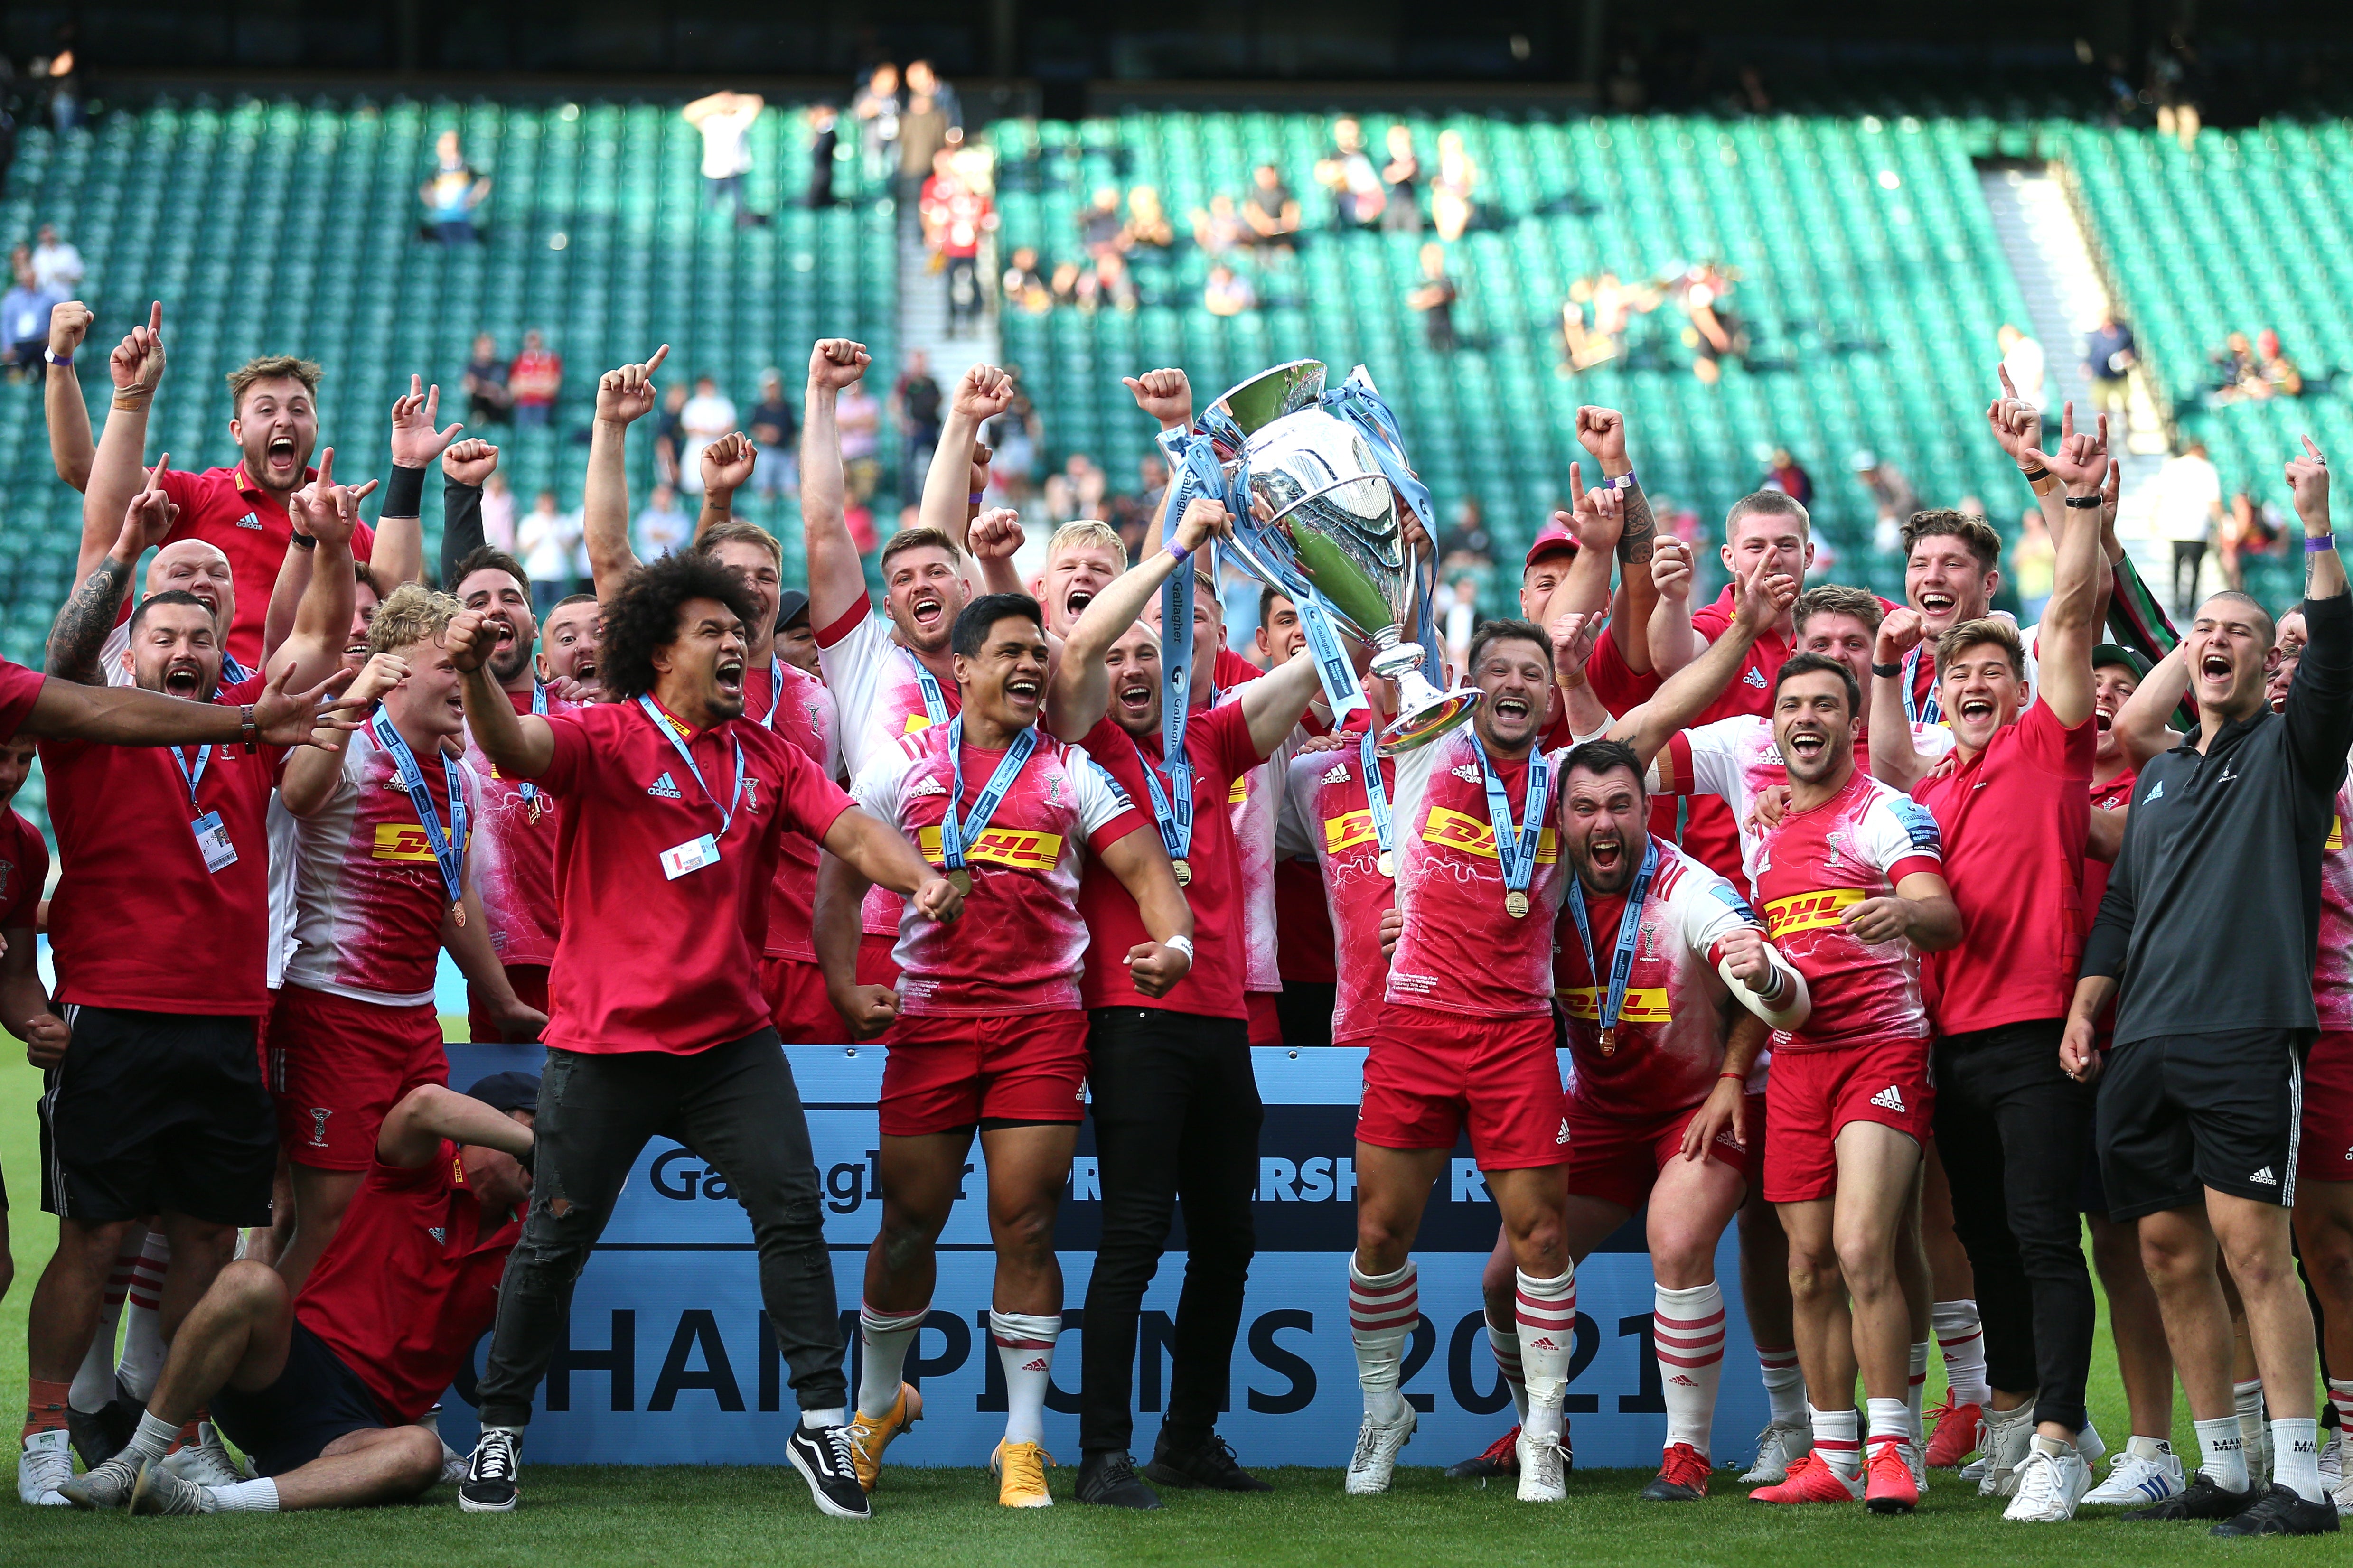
19	689
646	961
225	507
23	872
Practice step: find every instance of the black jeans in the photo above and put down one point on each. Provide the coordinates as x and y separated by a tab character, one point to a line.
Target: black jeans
2188	555
735	1106
1177	1115
2012	1129
1305	1007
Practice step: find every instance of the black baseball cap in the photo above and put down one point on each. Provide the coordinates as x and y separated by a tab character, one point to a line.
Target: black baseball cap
508	1091
792	604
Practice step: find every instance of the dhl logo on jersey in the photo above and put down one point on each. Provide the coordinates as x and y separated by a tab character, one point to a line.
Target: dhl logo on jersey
1644	1004
1015	847
1347	830
916	722
1809	911
401	841
1239	792
1472	836
2336	839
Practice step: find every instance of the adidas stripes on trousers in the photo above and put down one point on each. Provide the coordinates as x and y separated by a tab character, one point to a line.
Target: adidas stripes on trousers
736	1107
2012	1130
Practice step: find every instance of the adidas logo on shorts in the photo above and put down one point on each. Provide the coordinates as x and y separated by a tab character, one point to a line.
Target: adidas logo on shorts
440	1234
1563	1137
929	786
1888	1099
2265	1177
1339	775
663	788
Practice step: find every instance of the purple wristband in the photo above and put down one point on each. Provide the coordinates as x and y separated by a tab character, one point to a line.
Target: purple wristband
977	497
1177	555
2315	543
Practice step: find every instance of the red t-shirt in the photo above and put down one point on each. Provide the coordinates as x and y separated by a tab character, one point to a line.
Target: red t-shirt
410	1282
19	689
806	717
2013	820
223	507
2108	796
648	962
1711	832
1217	745
514	853
534	377
23	872
137	921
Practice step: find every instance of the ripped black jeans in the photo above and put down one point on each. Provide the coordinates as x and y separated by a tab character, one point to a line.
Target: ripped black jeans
736	1107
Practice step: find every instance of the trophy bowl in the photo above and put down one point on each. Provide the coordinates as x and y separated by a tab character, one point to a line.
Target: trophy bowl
1280	390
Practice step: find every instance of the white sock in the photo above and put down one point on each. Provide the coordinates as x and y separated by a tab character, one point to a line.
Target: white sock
2223	1452
2247	1399
1025	1346
246	1497
94	1381
819	1420
1962	1339
884	1340
1889	1418
1835	1439
2141	1447
1918	1391
1784	1383
2296	1457
1687	1327
142	1333
153	1440
1504	1343
1382	1311
2051	1446
1546	1310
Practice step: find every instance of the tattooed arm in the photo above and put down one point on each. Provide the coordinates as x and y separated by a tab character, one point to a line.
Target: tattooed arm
80	632
1603	433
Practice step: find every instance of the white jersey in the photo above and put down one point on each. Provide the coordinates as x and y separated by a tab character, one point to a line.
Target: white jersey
1736	760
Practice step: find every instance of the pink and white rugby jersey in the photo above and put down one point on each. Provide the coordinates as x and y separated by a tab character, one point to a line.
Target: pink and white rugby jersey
802	713
514	853
878	688
1736	759
1811	869
1326	813
368	895
1019	943
2332	980
1461	951
1671	1024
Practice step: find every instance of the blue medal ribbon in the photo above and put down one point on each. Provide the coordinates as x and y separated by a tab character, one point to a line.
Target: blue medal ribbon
194	776
448	847
1175	835
1376	798
777	693
1629	932
1515	847
528	790
678	743
935	704
1929	711
955	835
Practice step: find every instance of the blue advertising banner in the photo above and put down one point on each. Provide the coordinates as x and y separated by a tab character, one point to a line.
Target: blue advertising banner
667	1359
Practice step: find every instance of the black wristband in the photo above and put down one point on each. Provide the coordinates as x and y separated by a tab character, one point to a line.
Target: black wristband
302	541
1890	669
403	494
2084	503
2034	476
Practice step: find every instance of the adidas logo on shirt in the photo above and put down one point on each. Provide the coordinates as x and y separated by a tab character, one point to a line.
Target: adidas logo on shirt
663	788
1888	1099
929	786
2156	795
1468	773
2265	1177
251	520
1754	677
440	1235
1339	775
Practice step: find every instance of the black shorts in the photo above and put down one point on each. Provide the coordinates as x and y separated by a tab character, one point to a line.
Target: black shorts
158	1112
315	1400
2180	1113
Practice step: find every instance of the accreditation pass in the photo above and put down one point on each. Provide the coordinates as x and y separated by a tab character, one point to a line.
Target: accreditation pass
691	856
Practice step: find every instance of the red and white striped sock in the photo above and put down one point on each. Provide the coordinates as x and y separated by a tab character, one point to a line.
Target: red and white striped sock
142	1331
2341	1395
1382	1311
1504	1340
1025	1347
94	1381
1962	1339
1687	1328
1837	1438
1784	1383
1546	1310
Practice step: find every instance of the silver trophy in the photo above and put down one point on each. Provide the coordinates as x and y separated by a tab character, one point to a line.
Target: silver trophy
1335	524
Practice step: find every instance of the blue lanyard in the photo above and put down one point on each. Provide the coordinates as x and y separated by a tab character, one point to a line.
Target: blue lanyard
449	849
934	704
955	835
194	776
1629	931
1515	847
1920	711
1176	706
1177	840
777	693
233	673
1377	796
528	790
678	744
1345	692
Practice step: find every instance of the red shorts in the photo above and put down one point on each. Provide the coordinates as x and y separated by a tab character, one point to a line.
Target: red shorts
1752	1126
952	1074
876	967
1813	1094
530	983
1265	1018
341	1065
794	989
1428	1073
2324	1145
1616	1159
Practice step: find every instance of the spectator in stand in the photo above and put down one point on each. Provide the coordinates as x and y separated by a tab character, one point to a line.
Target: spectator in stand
825	138
956	215
1012	437
858	416
2188	510
1892	499
1137	516
489	400
707	415
1346	171
1101	233
915	404
2023	358
928	122
1434	297
776	431
1147	220
876	109
1270	209
1402	177
1024	285
2277	374
1466	545
1783	473
24	320
725	119
549	541
2253	528
2109	354
57	266
1111	282
924	82
498	514
2034	566
1228	292
533	380
1452	203
661	528
669	430
1079	490
451	193
1219	229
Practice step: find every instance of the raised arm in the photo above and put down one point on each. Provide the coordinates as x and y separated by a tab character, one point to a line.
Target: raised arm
313	772
1894	761
2319	711
1596	522
1573	637
466	467
413	1129
837	580
128	716
1758	601
71	447
1669	642
1080	693
2140	726
2071	621
329	513
726	466
981	395
1603	433
1166	395
399	553
1274	704
115	471
519	745
80	632
623	395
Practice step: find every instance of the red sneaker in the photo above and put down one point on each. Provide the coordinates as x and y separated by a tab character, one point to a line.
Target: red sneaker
1682	1476
1955	1436
1812	1480
1891	1488
1502	1458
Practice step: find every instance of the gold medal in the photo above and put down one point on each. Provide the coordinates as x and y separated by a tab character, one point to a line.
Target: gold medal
1610	1042
1184	869
457	914
1516	904
1387	864
960	880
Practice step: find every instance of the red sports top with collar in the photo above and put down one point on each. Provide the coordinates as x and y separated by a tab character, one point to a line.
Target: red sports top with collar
410	1282
137	922
881	697
1328	819
513	855
2332	978
802	711
1812	868
644	961
1736	760
1217	745
226	508
19	689
368	895
2011	823
1461	952
1019	945
1677	1010
23	872
2118	791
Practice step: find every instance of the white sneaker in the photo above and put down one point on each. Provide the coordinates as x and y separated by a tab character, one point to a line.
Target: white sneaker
45	1466
2089	1444
1544	1477
2332	1459
1916	1456
1778	1447
2139	1480
2342	1493
1377	1444
207	1462
2004	1442
1976	1469
2048	1486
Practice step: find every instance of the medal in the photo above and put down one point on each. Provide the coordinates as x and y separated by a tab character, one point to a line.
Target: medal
1610	1042
958	835
1376	798
1184	869
447	848
1172	808
1387	864
1515	847
1516	904
458	915
960	880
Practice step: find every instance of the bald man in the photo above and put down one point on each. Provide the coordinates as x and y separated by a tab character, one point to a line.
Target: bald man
194	566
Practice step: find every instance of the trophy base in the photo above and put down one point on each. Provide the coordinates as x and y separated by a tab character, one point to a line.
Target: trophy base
1417	726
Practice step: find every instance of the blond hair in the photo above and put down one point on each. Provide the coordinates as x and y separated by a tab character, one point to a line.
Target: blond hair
1089	534
413	613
